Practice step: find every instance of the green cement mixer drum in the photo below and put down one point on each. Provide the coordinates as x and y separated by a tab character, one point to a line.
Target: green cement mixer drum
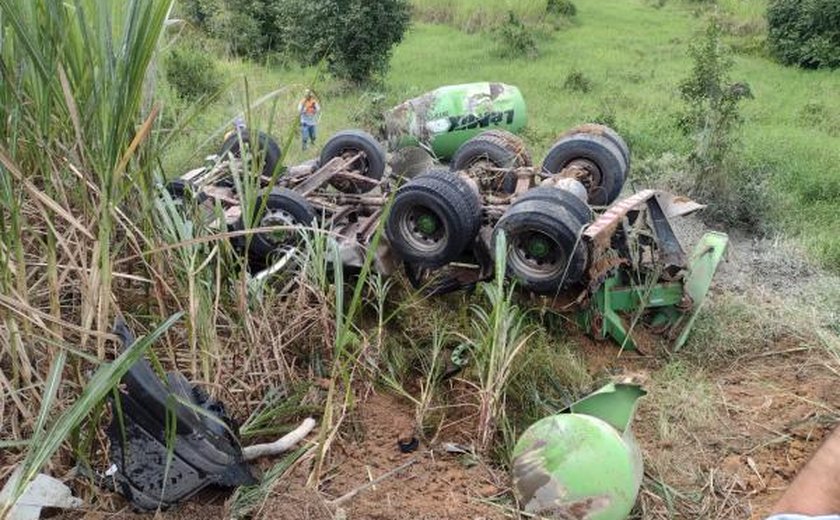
577	466
445	118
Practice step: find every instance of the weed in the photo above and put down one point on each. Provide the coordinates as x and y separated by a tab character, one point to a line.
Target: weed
565	8
497	337
577	81
515	39
682	395
733	326
551	375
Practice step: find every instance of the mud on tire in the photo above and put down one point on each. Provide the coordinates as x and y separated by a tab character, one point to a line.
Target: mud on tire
499	149
602	160
434	218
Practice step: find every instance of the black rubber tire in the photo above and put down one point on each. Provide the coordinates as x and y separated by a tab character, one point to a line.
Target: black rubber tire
268	146
514	143
598	150
299	210
451	201
578	208
500	148
550	220
494	146
609	133
354	141
180	189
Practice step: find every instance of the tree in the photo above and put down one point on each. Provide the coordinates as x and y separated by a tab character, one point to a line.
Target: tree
355	37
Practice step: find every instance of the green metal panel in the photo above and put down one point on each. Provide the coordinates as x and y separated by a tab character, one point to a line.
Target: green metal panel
614	404
442	120
701	270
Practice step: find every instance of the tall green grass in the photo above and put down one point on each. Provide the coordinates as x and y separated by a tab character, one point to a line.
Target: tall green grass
75	156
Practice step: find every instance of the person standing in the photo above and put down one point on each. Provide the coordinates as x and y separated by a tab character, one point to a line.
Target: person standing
309	110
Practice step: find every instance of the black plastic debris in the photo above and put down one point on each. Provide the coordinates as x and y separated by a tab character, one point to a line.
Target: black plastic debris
170	440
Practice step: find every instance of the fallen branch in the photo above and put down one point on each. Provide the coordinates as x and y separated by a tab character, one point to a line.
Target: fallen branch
282	445
349	496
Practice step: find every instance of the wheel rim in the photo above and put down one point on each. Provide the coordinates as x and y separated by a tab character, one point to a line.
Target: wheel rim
423	230
278	217
536	255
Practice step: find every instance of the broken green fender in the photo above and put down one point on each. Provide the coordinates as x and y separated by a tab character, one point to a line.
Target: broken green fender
442	120
583	462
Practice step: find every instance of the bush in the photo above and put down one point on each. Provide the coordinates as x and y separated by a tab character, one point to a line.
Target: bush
247	27
561	7
577	81
515	39
805	32
192	73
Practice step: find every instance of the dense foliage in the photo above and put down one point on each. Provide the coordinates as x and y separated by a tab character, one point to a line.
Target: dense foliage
805	32
354	37
192	73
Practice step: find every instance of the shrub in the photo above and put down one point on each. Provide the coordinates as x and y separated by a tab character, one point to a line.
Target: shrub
805	32
561	7
712	118
515	39
246	26
192	73
577	81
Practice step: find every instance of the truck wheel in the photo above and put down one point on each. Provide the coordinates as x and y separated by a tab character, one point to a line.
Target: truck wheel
512	142
609	133
497	149
434	217
601	160
349	143
284	207
267	146
579	209
544	251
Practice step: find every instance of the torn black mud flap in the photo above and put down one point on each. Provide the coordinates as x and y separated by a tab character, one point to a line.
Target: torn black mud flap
169	440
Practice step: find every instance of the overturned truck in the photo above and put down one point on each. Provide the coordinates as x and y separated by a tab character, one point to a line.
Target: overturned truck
614	265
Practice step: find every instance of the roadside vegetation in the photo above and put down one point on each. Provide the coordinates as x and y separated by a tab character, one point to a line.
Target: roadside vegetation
93	128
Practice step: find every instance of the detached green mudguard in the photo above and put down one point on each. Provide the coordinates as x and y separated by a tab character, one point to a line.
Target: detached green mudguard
443	119
701	270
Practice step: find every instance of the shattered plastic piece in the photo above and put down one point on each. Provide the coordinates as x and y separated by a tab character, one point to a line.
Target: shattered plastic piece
155	470
43	491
